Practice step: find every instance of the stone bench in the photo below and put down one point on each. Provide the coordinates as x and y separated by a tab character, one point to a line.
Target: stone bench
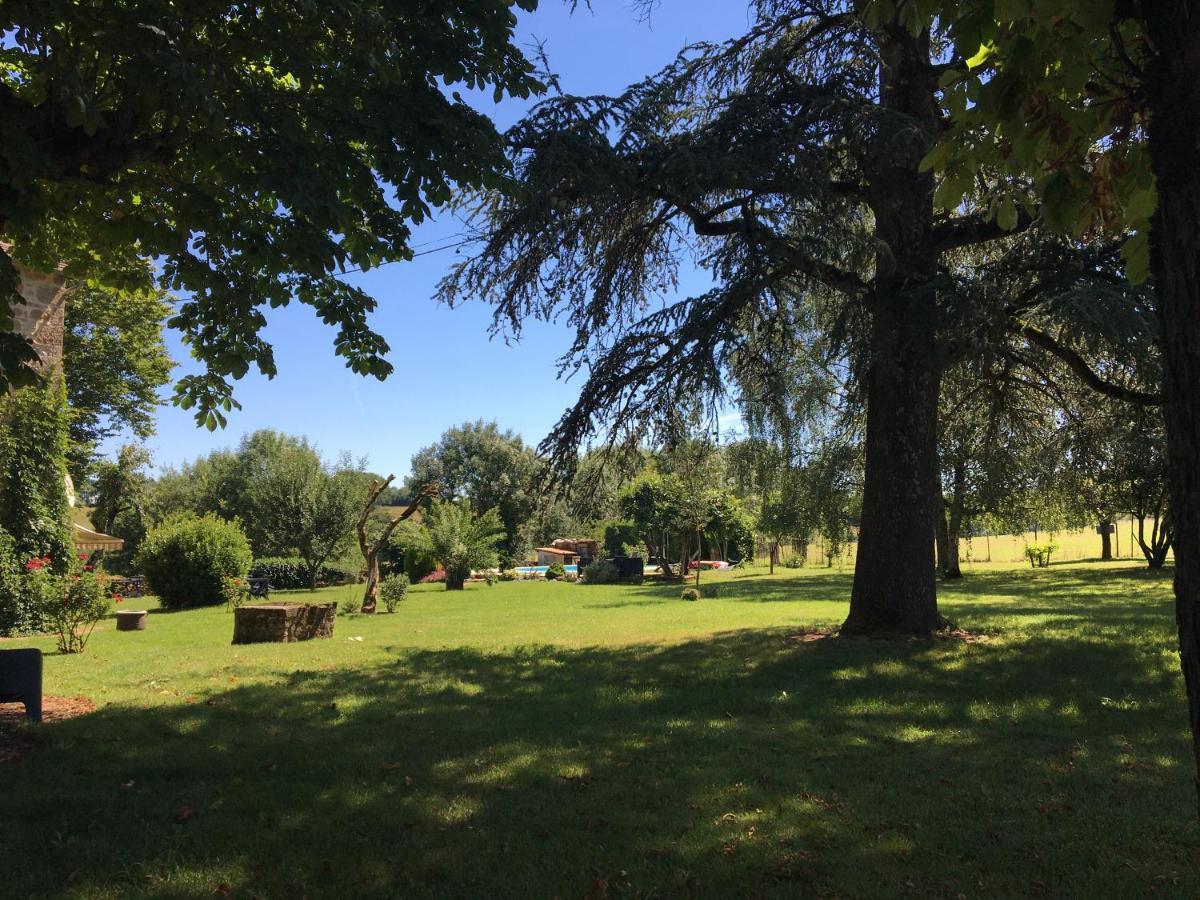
282	622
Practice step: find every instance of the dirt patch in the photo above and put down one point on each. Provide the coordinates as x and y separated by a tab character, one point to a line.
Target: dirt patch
955	635
17	741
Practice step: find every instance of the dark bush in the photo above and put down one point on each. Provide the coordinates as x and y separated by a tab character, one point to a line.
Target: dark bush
287	573
690	594
600	571
555	571
184	560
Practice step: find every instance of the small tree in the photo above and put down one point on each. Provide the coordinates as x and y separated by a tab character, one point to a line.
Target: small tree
372	545
461	541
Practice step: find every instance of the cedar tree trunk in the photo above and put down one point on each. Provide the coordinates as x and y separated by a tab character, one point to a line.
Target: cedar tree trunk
1173	82
895	583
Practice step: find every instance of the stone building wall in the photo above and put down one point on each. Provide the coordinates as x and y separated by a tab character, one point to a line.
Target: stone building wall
42	317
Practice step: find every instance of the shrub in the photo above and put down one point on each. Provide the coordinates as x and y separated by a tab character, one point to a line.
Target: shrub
555	570
69	606
509	575
570	578
352	605
15	614
1039	554
184	560
795	562
690	594
601	571
392	590
291	572
437	576
235	591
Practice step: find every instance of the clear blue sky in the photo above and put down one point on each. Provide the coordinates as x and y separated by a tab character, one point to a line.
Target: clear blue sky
447	369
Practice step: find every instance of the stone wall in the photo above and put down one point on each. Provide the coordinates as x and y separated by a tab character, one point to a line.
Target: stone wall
41	318
283	622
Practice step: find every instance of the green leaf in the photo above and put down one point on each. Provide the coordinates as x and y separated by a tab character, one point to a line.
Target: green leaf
1136	253
1006	214
981	56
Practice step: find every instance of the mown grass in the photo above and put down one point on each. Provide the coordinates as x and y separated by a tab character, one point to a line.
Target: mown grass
543	740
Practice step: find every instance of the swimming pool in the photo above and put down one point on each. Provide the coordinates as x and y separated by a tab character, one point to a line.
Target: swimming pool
528	570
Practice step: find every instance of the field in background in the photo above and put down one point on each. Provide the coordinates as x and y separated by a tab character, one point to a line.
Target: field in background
1007	548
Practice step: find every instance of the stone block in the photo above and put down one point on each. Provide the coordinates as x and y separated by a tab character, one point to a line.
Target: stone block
283	622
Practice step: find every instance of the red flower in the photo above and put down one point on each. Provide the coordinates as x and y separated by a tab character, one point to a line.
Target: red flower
117	598
82	555
88	568
34	564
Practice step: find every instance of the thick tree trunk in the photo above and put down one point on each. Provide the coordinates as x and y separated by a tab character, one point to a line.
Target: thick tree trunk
456	582
1174	136
1106	551
774	550
894	576
895	581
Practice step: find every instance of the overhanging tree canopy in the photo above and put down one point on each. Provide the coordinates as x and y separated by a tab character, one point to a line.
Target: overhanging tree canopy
256	149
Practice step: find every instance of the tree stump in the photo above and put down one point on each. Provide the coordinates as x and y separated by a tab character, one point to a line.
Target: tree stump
282	622
131	620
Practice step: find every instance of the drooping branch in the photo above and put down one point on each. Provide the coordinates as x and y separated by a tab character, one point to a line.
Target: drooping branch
973	230
1080	367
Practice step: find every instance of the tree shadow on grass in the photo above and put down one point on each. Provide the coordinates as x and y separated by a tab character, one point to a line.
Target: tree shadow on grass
741	765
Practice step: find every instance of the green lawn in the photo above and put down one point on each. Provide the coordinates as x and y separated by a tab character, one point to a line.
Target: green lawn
554	740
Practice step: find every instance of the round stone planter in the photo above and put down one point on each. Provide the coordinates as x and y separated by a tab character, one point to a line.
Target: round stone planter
131	620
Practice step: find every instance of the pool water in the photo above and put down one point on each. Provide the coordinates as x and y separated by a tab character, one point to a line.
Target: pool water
525	570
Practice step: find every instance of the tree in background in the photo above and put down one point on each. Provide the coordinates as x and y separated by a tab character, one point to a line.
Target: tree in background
300	502
692	477
461	541
487	468
115	362
256	151
119	491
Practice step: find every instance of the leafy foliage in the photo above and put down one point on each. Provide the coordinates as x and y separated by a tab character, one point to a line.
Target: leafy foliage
691	594
115	362
33	468
461	541
393	590
487	468
185	559
69	606
255	152
555	571
600	571
293	572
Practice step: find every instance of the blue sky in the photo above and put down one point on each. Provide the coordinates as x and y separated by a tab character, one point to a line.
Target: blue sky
447	369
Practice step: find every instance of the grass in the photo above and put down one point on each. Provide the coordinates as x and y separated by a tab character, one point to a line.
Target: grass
543	740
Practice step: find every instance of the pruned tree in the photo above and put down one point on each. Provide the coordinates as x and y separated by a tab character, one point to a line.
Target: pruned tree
372	545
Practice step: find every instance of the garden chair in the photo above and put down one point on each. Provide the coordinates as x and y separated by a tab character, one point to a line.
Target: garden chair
21	680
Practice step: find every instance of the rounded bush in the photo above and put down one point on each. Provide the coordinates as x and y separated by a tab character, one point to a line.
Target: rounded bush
392	591
555	570
690	594
185	559
600	571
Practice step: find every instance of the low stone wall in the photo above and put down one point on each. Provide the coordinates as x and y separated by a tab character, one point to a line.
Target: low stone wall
283	622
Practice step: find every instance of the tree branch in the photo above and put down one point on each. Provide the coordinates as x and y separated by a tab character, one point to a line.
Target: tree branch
976	229
1079	366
